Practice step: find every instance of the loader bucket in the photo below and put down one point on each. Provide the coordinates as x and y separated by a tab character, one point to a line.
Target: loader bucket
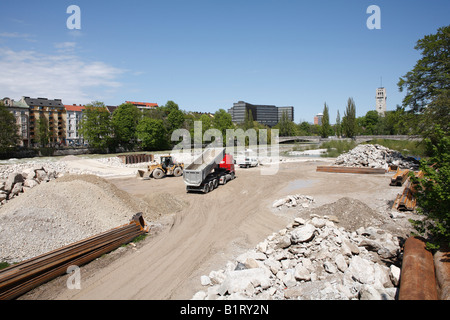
144	174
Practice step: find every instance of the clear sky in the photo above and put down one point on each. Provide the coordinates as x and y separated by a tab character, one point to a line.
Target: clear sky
208	54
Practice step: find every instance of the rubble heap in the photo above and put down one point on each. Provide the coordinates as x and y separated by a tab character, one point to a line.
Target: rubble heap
311	259
294	201
375	156
28	178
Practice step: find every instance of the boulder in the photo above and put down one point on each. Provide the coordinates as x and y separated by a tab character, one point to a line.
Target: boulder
303	234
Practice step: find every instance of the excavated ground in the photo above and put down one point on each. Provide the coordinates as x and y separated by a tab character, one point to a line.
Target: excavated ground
193	234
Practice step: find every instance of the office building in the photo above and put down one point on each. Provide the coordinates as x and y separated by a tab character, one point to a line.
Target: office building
268	115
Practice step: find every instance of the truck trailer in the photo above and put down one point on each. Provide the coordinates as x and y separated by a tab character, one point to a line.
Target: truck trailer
213	168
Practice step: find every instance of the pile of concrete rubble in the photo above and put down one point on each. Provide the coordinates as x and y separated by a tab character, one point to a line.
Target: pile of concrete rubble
294	200
311	260
16	181
375	156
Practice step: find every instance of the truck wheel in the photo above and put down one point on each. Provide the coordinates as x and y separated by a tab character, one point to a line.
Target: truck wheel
206	188
177	172
211	185
158	174
216	183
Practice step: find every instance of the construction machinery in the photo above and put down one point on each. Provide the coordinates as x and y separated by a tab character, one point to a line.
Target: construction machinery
213	168
166	167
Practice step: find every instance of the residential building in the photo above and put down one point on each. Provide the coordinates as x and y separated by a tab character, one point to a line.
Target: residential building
74	116
318	119
143	105
268	115
21	112
381	101
55	116
111	109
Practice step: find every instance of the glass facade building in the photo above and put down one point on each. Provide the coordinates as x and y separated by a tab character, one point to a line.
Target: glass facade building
268	115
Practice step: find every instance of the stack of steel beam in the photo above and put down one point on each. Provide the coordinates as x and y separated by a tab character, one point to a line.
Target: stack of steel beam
22	277
337	169
406	201
136	158
399	177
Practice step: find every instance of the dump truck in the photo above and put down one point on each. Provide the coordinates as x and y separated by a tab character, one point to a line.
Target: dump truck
166	167
213	168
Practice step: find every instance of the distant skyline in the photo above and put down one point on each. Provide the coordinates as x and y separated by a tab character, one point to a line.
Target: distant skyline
206	55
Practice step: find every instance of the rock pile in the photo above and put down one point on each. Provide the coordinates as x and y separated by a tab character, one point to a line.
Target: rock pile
17	183
311	259
294	201
374	156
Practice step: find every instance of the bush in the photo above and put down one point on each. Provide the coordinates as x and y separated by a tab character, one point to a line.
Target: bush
433	192
336	147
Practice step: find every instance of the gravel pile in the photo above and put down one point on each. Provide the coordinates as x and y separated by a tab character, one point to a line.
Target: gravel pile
375	156
58	213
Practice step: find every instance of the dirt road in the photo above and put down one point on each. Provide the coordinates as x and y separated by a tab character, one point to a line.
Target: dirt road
213	228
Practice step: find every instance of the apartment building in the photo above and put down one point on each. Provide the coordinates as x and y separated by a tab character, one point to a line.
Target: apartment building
21	112
74	116
54	115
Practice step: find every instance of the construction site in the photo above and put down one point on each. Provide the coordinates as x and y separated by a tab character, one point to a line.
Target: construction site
211	228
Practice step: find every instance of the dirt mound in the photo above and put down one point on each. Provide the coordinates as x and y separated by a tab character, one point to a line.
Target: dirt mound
351	214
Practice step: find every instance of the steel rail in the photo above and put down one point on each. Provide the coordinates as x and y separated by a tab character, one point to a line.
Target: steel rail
26	275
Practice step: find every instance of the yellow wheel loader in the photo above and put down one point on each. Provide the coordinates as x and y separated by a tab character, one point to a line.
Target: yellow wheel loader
167	167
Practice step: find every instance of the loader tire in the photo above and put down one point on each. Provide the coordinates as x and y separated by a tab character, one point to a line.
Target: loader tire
178	172
158	174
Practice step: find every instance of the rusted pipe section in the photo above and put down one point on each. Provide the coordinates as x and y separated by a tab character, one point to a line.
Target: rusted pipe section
418	278
442	266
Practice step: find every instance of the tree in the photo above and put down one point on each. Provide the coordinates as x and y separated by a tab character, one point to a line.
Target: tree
287	127
175	120
8	129
433	191
222	121
124	122
325	128
430	76
437	113
152	134
95	126
43	133
349	121
338	125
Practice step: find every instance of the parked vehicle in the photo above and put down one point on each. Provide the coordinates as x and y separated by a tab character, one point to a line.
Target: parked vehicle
213	168
247	160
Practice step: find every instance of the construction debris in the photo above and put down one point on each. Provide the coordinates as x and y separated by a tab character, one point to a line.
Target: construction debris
375	156
22	277
311	259
294	201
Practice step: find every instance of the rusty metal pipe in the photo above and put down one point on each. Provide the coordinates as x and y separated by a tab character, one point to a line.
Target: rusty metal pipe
418	279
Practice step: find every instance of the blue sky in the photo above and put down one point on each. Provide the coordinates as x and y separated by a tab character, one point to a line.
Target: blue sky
208	54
